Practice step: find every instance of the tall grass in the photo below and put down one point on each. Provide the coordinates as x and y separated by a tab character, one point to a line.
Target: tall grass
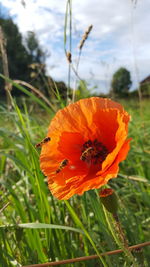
35	227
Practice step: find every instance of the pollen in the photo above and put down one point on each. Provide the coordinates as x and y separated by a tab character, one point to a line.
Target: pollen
94	152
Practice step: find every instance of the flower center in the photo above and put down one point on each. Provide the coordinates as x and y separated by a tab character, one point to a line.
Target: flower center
94	152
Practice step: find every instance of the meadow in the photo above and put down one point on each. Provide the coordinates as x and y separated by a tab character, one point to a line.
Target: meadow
35	227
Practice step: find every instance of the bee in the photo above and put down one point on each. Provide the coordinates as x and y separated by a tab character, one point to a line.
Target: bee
44	141
87	154
63	164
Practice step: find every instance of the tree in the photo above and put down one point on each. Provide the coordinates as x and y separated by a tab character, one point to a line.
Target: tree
20	56
34	50
121	82
26	61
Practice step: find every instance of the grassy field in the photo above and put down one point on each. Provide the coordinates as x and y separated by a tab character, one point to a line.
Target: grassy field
36	228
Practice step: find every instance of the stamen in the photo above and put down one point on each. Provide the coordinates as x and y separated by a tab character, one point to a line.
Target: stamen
93	151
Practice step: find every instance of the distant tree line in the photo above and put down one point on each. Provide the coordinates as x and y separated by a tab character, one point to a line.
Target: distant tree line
26	61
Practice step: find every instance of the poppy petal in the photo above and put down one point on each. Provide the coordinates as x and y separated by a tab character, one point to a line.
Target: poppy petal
97	122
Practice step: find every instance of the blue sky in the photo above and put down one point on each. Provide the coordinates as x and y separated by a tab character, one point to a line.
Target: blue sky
120	36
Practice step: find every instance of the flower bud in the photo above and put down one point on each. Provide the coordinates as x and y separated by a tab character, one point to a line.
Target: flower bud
109	200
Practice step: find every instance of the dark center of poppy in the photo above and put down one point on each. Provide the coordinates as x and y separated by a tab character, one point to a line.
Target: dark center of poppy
94	152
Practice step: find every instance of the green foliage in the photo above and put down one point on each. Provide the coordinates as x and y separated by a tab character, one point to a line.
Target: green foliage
26	62
18	57
121	82
82	90
35	51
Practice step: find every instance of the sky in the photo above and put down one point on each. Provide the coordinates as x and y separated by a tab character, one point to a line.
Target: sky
120	36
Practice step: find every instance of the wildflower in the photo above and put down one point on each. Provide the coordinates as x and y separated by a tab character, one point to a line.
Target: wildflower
88	141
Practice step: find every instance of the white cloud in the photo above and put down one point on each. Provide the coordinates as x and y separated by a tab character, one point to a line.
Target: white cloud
120	36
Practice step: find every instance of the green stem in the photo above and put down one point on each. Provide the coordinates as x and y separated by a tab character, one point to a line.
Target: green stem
79	223
70	46
118	235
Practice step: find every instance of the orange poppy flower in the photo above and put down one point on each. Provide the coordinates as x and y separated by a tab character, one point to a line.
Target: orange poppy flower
88	140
